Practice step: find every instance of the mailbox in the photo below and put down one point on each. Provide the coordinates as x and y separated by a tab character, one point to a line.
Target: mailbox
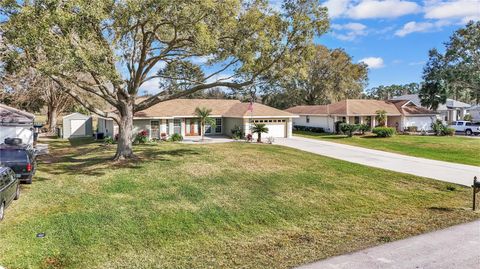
476	188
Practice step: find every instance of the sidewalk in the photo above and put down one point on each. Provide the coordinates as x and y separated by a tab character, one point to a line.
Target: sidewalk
454	247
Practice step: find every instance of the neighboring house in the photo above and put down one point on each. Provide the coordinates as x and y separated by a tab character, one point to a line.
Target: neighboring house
452	110
474	111
400	114
77	125
15	123
178	116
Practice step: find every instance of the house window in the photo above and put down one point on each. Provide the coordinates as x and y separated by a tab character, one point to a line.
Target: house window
308	119
357	120
177	126
218	125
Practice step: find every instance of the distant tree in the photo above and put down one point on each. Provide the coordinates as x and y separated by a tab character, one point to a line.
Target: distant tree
203	115
330	76
387	92
259	129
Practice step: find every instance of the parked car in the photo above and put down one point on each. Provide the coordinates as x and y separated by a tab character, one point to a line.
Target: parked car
21	159
9	189
466	127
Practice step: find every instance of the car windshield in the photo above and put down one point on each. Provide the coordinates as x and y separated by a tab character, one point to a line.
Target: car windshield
13	155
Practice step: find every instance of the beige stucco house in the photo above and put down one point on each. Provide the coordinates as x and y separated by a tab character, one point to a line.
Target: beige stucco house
178	116
400	114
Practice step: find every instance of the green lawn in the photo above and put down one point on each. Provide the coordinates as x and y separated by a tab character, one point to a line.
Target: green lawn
214	206
455	149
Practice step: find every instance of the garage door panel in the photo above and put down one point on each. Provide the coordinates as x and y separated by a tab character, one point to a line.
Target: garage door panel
275	129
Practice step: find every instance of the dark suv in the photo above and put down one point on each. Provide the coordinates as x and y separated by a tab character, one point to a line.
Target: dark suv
21	159
9	189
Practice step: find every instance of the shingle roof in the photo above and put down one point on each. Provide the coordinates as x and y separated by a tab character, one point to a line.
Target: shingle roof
13	115
352	107
219	107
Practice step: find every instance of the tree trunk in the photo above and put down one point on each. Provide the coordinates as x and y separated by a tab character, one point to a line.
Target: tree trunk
203	129
259	139
125	128
52	118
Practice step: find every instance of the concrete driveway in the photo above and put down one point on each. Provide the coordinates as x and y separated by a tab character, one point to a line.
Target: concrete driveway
454	247
444	171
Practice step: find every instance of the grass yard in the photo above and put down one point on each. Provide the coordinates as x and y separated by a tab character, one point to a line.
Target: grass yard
214	206
457	149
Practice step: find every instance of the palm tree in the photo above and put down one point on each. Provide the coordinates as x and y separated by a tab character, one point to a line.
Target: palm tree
381	117
259	129
203	114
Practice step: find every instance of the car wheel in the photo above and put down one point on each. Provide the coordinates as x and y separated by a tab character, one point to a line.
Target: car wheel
2	211
468	132
17	192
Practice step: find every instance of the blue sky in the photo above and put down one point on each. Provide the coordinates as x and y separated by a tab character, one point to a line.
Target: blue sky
393	36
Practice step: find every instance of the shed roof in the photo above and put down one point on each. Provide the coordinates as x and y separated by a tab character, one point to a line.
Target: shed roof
10	115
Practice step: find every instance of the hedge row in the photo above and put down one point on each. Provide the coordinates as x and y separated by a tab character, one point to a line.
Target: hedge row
308	129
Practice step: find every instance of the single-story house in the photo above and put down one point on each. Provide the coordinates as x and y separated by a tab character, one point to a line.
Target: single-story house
15	123
77	125
452	110
178	116
400	114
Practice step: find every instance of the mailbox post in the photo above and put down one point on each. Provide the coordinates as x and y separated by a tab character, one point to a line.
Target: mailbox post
476	188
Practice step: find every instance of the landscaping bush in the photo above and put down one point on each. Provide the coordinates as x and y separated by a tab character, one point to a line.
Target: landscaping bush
176	137
163	136
108	140
141	137
363	128
468	117
384	131
337	126
249	137
348	129
237	133
308	129
449	131
412	129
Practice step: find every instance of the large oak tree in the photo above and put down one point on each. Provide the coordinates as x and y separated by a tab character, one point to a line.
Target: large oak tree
110	48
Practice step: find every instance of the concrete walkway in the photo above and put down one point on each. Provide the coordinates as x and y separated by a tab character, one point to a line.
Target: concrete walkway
454	247
444	171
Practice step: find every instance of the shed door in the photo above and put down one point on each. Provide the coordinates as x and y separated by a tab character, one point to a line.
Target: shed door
77	127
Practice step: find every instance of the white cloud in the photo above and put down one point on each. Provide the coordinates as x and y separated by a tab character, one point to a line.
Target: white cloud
369	9
420	27
151	87
373	62
336	8
463	10
349	31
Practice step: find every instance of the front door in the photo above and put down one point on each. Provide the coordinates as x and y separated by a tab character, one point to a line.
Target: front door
192	127
155	129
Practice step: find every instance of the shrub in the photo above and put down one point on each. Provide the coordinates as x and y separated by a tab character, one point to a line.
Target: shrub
176	137
348	129
141	137
308	129
337	126
163	136
441	129
468	117
363	128
384	131
412	129
249	137
237	133
108	140
449	131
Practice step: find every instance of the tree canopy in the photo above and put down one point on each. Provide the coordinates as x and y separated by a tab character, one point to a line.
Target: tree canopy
456	72
111	48
387	92
330	76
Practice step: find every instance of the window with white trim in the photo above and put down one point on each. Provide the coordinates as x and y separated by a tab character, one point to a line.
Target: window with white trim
218	125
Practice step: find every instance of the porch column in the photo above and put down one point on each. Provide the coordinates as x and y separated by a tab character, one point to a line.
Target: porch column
246	126
347	119
182	127
170	127
386	121
289	127
372	122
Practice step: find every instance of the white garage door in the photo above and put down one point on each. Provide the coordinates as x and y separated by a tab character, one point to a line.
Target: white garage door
77	127
422	123
276	128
